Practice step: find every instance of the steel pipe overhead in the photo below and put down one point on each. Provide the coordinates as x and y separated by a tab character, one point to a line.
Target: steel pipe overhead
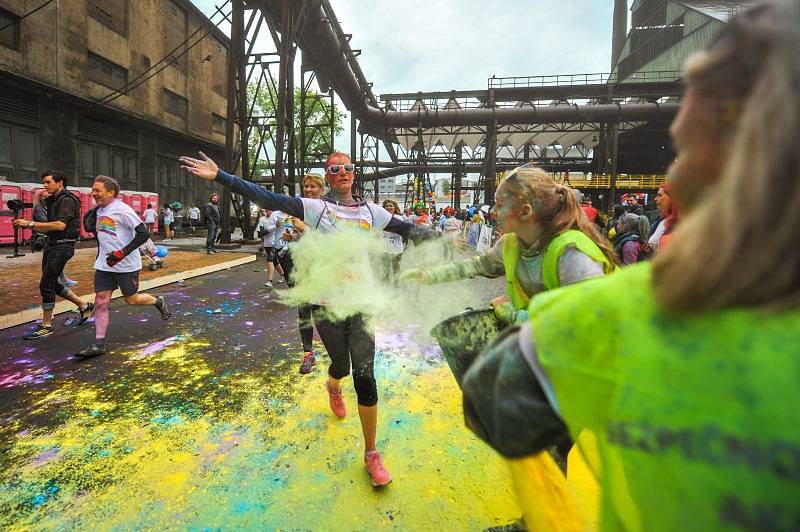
327	52
432	169
610	113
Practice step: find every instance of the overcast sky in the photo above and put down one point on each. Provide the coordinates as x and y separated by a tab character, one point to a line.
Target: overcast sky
427	45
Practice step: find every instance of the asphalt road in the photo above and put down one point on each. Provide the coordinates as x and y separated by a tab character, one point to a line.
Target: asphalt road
203	422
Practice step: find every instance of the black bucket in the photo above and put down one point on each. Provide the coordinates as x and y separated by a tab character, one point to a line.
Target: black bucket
463	337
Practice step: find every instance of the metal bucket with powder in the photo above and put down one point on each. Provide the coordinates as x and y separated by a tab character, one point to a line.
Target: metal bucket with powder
463	336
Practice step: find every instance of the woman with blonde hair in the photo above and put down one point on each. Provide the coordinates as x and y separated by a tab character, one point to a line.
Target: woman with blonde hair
313	187
394	245
695	421
547	242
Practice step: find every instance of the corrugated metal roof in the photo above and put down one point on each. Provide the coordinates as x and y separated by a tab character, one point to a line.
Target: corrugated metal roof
719	9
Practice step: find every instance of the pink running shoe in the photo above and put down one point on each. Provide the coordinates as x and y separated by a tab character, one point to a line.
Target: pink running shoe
336	402
378	473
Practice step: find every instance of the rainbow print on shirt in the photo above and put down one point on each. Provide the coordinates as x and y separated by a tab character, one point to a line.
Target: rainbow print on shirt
105	224
351	221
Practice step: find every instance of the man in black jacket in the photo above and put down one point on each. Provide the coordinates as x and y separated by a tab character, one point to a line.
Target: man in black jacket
63	229
212	219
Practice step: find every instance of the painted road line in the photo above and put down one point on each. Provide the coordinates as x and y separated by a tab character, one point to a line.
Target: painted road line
28	315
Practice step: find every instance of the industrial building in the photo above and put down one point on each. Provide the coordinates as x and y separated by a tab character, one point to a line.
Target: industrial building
114	87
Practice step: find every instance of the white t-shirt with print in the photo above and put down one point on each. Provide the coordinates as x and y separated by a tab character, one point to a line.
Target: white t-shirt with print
328	217
115	228
393	243
194	213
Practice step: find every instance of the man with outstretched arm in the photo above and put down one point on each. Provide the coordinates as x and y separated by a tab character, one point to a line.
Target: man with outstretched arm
119	235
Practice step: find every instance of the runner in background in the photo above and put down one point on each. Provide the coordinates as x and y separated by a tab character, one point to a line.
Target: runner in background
119	232
313	188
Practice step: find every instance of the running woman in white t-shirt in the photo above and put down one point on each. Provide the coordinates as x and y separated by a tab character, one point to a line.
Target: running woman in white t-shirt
119	232
348	342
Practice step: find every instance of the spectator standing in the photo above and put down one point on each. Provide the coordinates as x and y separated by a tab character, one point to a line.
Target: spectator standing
314	188
63	229
212	220
393	245
669	215
272	229
194	218
586	207
169	222
150	215
627	242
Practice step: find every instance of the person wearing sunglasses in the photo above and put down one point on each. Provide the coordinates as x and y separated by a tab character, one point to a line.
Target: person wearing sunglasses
350	342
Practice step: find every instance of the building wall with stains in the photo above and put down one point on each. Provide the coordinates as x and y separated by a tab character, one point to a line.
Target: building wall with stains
55	45
111	87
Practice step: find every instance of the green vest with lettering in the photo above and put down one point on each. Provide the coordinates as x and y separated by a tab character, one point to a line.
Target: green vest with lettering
552	253
696	416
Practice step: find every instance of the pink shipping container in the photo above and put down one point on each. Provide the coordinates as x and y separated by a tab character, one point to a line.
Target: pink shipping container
29	193
126	196
87	204
8	191
137	203
150	198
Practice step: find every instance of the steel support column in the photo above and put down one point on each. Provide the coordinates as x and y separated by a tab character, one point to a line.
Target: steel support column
491	160
614	134
235	64
243	121
286	70
458	175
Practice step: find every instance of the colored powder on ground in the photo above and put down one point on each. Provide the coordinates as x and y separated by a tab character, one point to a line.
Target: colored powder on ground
171	442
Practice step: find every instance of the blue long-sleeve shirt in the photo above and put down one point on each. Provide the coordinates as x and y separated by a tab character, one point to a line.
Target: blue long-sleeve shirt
296	207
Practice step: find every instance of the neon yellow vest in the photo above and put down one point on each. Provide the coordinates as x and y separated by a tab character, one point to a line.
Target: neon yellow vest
552	253
696	416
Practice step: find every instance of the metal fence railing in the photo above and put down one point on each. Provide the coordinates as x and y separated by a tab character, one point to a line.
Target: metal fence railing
581	79
633	181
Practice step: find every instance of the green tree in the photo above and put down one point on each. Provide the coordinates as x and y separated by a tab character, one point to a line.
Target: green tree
317	131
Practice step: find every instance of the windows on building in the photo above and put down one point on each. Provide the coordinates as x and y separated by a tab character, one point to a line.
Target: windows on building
219	66
106	73
175	24
19	153
98	158
219	124
110	13
174	103
10	36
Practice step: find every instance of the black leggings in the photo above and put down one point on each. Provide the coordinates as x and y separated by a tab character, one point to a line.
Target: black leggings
54	259
350	342
303	311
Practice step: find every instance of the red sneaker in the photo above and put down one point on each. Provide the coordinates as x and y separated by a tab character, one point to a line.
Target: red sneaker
309	361
336	402
378	473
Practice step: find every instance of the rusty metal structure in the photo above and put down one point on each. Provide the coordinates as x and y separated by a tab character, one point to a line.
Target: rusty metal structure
572	123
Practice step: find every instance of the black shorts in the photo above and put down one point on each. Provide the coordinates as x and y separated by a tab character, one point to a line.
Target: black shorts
193	222
272	255
127	282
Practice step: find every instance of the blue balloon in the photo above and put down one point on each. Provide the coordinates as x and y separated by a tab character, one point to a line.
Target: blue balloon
161	251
